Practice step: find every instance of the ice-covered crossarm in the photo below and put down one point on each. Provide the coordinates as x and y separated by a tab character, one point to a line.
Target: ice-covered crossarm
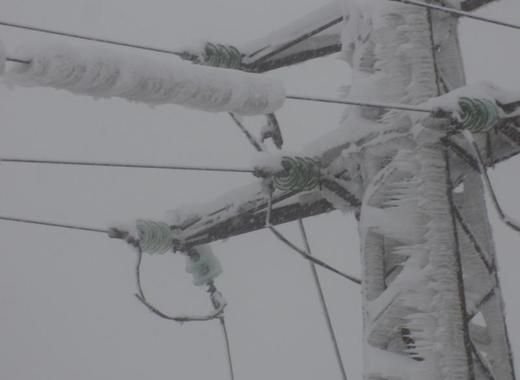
151	80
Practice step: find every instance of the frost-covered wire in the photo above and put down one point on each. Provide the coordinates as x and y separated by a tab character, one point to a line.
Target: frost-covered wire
150	80
509	221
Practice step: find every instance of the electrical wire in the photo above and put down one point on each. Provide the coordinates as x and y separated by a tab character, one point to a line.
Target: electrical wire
300	251
316	261
506	219
126	165
88	38
458	13
53	224
228	348
216	300
402	107
17	60
279	50
323	302
252	140
142	298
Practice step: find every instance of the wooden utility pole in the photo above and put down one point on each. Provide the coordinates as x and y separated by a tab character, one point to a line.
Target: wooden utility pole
432	304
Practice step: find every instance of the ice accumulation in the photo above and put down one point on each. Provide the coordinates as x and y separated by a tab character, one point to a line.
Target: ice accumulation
151	80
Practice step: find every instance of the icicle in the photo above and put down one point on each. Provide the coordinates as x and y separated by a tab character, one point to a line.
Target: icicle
152	80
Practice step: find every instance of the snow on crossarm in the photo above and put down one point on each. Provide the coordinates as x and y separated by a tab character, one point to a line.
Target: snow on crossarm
151	80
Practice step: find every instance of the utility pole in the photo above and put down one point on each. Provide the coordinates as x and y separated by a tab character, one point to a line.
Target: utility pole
432	304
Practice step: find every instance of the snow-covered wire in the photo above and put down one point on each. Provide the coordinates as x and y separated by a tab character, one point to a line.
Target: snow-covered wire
323	303
101	73
53	224
506	219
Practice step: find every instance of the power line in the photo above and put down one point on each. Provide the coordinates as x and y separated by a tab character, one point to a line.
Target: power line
316	261
323	302
228	347
53	224
18	60
459	13
88	38
126	165
402	107
282	48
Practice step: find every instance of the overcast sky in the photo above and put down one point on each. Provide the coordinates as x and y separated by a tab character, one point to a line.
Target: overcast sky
67	309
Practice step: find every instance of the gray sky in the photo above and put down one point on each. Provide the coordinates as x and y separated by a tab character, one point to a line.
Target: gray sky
66	298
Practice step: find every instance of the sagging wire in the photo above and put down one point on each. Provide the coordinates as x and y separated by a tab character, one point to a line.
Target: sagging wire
323	303
178	318
506	219
156	237
304	254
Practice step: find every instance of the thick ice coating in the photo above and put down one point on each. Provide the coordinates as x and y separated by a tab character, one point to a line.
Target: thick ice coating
151	80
